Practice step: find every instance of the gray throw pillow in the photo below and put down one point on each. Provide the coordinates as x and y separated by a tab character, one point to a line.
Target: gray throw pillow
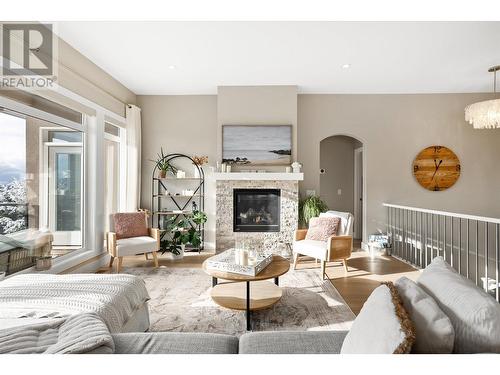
434	333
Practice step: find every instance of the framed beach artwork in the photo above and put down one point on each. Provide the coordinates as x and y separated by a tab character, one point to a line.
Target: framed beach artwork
257	144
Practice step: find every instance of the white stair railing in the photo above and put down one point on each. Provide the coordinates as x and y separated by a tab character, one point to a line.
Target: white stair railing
469	243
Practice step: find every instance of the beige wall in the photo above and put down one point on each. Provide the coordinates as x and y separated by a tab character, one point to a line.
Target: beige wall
185	124
257	105
337	159
82	76
393	129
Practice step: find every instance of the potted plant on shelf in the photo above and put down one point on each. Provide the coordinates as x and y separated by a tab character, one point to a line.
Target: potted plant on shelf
182	233
310	207
163	165
198	162
179	237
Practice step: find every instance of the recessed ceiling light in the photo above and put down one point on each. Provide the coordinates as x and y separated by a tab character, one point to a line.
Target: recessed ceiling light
346	66
172	67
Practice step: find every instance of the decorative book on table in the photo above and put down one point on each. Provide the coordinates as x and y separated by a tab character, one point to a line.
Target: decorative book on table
235	261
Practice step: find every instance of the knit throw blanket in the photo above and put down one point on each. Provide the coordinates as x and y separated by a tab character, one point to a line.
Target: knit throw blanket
114	298
78	334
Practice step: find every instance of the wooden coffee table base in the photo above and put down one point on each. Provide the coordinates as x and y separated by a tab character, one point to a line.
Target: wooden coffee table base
263	294
248	292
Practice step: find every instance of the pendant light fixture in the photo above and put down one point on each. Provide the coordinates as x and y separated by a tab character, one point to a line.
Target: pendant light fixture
486	114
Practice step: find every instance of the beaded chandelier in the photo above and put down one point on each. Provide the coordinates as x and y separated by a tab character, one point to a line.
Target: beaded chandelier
486	114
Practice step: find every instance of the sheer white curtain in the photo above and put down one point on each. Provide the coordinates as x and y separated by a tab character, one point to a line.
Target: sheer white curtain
133	115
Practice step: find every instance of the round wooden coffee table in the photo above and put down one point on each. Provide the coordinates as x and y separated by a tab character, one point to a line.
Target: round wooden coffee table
238	295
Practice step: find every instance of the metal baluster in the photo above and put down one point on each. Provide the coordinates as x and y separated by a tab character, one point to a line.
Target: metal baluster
394	230
403	235
399	226
426	236
438	234
432	237
393	239
451	240
388	221
415	244
410	257
486	228
477	251
467	260
444	240
421	242
460	246
400	237
497	255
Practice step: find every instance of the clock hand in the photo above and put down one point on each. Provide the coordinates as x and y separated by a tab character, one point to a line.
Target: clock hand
437	167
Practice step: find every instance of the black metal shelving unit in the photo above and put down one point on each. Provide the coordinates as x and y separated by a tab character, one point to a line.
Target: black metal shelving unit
166	200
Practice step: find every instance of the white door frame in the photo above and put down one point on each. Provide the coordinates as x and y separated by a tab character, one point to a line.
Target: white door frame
358	188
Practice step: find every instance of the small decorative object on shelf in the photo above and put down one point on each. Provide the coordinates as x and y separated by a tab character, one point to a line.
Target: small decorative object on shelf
188	192
296	166
228	168
181	174
238	261
163	165
288	169
199	161
223	167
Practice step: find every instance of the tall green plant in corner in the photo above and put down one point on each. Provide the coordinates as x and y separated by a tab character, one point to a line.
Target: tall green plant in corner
310	207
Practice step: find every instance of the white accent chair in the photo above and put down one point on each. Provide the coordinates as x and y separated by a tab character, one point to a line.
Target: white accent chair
336	248
132	245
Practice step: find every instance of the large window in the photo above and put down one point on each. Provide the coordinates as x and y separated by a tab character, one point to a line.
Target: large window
62	173
41	190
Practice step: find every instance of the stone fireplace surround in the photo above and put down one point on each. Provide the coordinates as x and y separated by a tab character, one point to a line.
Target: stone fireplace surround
225	238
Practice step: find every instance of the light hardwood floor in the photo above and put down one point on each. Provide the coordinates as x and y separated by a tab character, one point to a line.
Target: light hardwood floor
365	273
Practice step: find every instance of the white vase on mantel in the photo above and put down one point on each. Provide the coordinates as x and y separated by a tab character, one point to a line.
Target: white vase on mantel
296	167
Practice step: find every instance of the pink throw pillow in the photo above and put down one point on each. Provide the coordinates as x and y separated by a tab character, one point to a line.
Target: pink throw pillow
130	224
320	228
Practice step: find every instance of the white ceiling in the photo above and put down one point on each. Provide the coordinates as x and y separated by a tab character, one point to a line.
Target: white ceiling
400	57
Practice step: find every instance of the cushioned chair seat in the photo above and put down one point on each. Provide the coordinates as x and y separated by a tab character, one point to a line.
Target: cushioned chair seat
174	343
135	245
315	249
311	342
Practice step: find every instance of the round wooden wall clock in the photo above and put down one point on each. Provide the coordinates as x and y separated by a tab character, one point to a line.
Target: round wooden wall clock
436	168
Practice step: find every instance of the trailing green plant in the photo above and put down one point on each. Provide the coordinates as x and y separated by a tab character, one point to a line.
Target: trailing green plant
183	232
310	207
163	164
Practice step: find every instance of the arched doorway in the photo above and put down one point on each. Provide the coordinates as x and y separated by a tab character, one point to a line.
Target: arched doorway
341	177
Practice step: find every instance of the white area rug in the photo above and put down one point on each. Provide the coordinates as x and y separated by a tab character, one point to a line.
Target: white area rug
180	301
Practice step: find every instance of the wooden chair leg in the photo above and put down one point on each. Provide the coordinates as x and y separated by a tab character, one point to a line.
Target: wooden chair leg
323	269
345	265
295	260
111	260
155	258
146	255
119	268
